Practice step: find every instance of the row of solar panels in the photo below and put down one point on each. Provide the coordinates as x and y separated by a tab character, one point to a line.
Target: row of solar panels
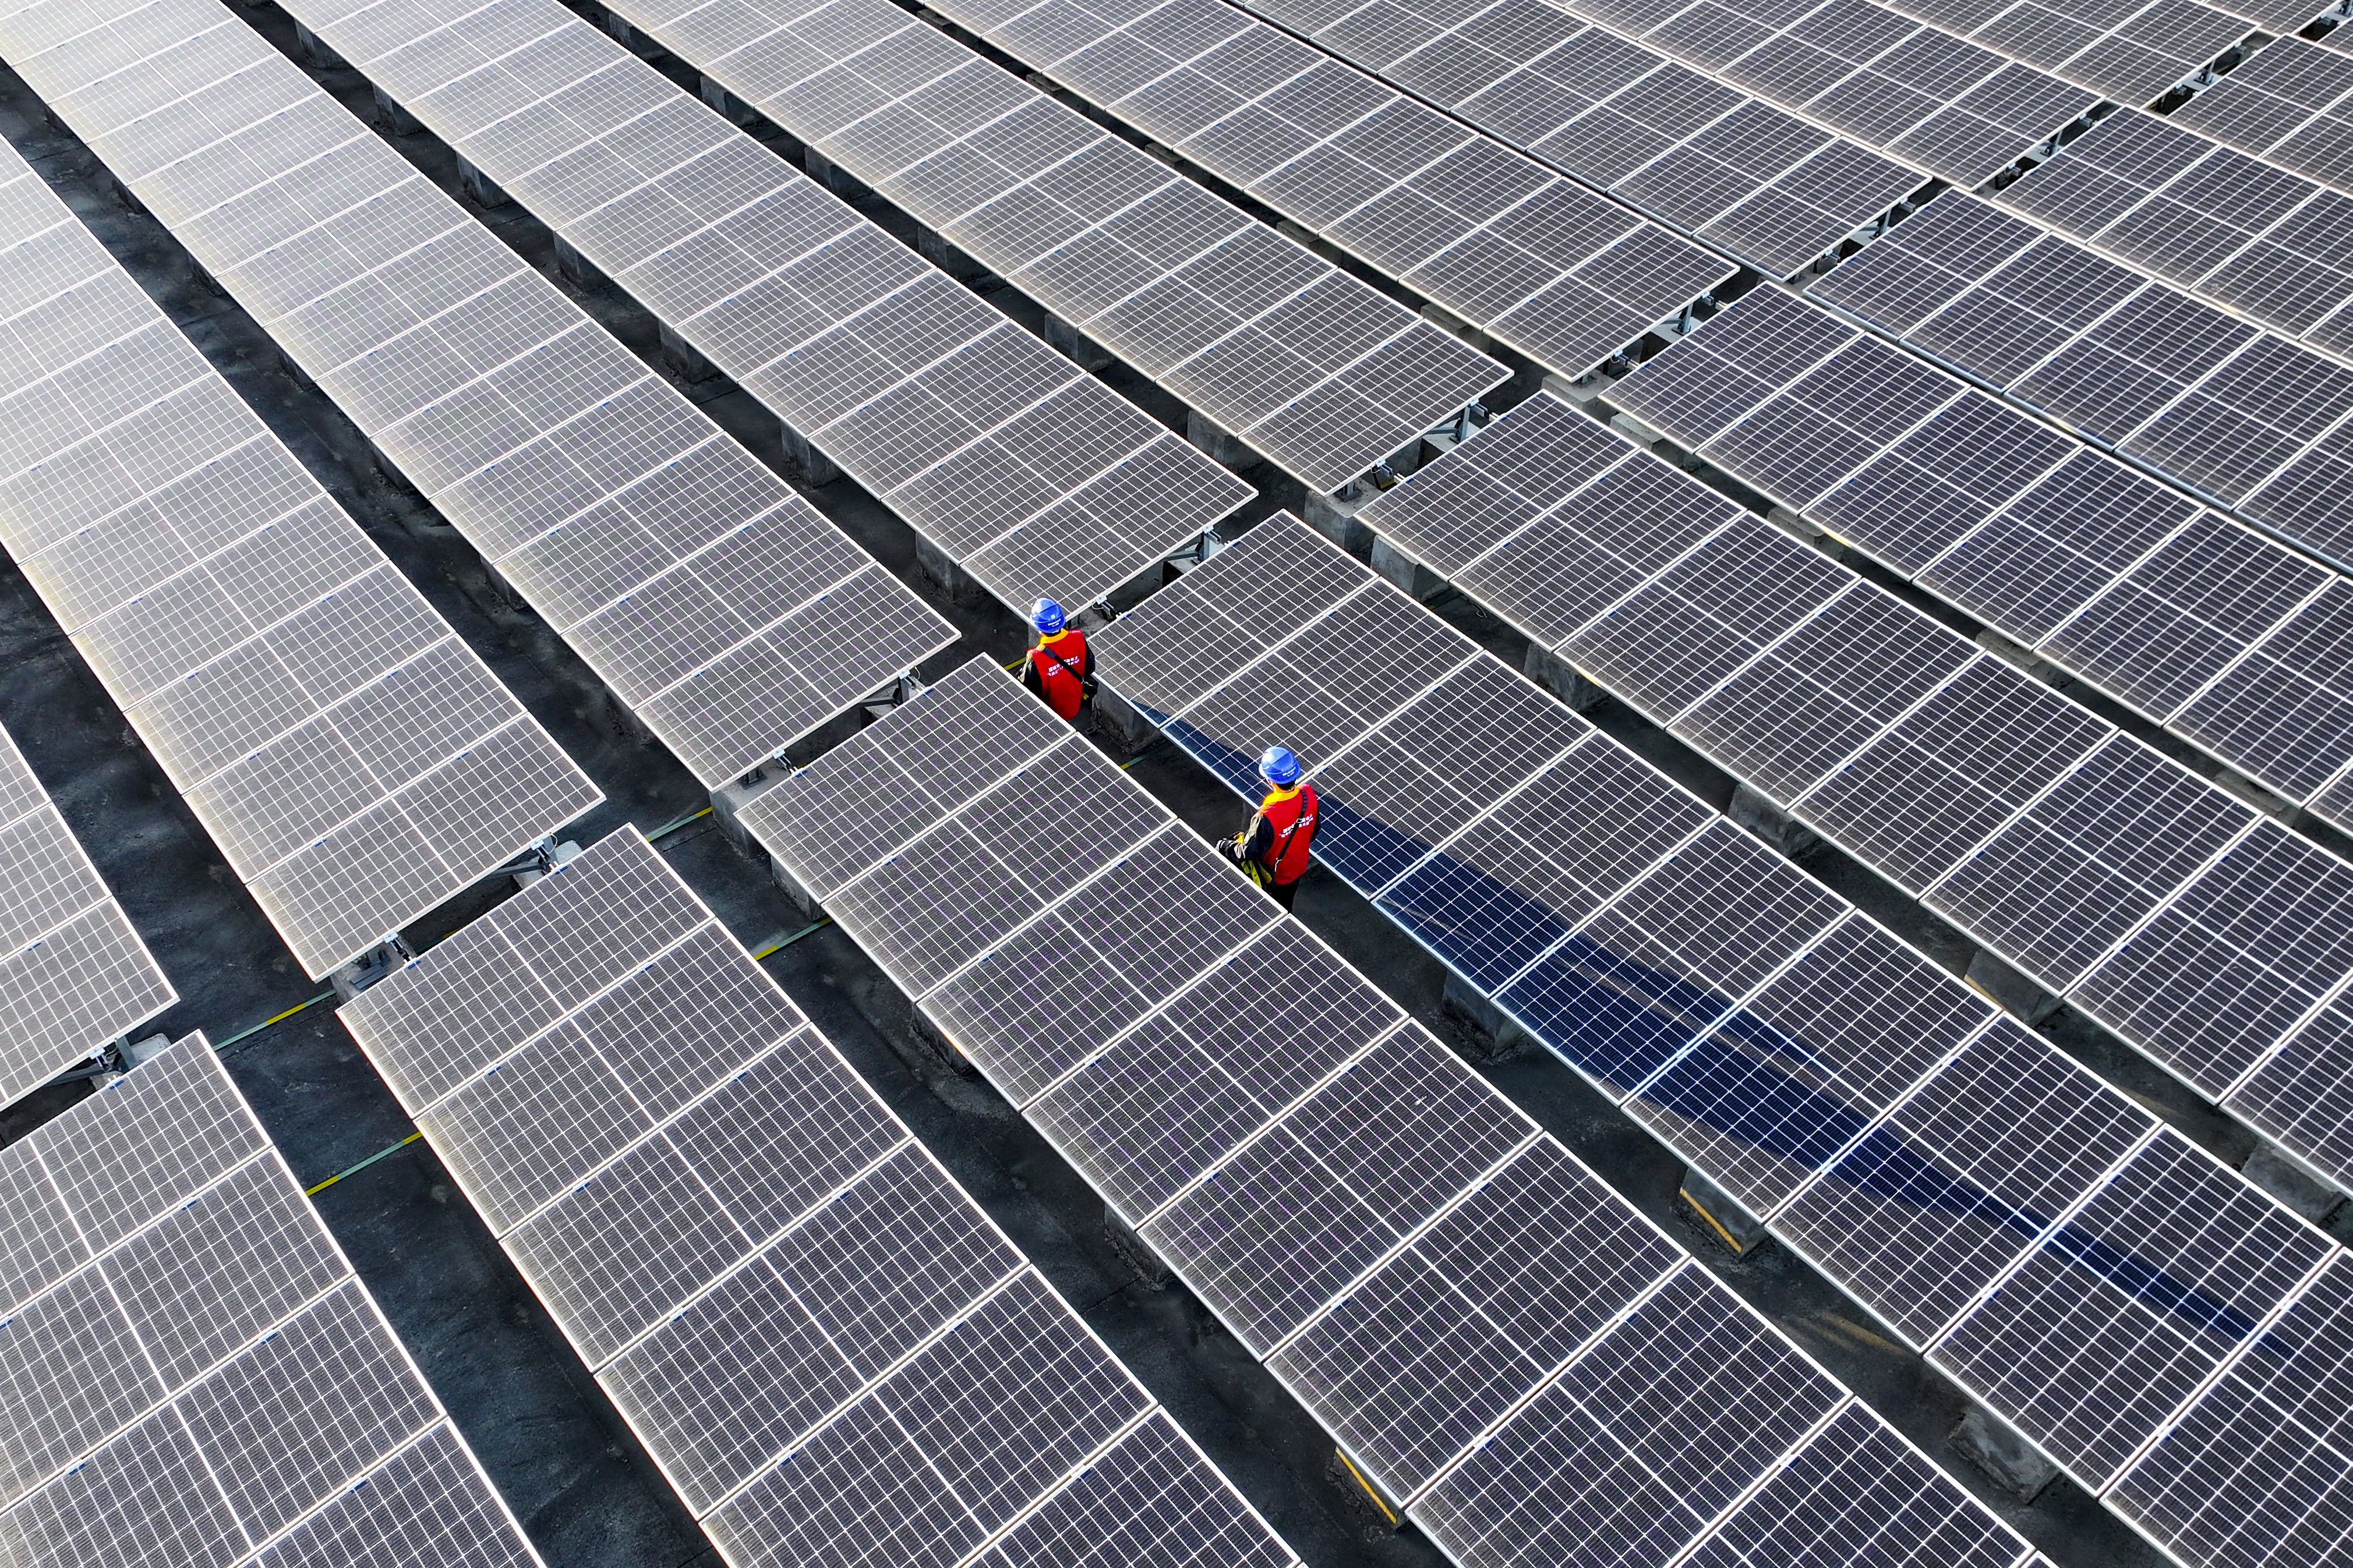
73	973
2183	386
2203	626
1997	1206
698	587
2159	196
2294	397
354	760
2214	941
1249	328
190	1374
2257	238
1338	151
902	51
1499	1342
832	1353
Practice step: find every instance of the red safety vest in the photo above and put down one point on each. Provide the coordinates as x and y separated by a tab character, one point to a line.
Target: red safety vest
1291	813
1060	660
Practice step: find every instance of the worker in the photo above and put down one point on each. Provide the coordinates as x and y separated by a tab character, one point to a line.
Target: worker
1061	669
1273	848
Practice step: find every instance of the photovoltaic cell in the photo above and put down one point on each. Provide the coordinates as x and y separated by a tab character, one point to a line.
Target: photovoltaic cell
1332	1181
271	1411
828	1347
249	630
684	571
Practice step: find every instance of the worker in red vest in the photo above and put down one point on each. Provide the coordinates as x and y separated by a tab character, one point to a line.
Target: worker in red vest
1061	669
1273	848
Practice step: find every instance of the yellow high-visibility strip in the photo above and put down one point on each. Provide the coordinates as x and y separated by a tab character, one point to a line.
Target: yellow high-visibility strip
364	1164
1369	1492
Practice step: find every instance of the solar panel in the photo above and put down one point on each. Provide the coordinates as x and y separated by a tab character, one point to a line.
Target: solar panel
1441	1287
1703	158
73	973
2249	419
916	389
830	1352
1883	1118
1303	363
2104	574
2287	103
613	506
354	760
194	1377
2252	238
1894	79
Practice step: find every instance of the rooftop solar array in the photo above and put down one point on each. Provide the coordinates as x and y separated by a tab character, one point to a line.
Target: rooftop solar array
1035	477
2208	628
1500	1343
1992	1202
354	760
831	1352
1302	361
1486	233
192	1376
73	973
2271	245
2219	948
726	611
1959	109
2290	103
2256	422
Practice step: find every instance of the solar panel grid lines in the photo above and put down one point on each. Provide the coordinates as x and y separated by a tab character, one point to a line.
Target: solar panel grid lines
1482	231
1013	178
2287	103
248	628
246	1402
2100	571
715	235
591	486
2257	240
1734	173
74	974
1770	1073
1191	1087
2249	420
831	1352
1893	83
2056	876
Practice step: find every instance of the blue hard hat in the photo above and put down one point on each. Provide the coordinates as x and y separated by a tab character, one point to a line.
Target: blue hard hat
1047	616
1278	767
